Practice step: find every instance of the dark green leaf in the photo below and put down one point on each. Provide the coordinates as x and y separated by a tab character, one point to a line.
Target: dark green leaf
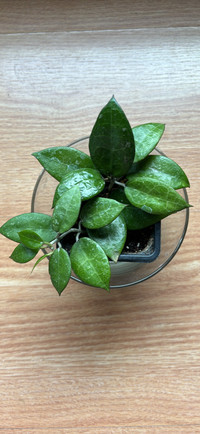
59	269
39	223
59	160
67	210
22	254
163	169
146	138
134	168
100	212
154	197
111	237
90	263
134	217
137	219
111	142
89	181
30	239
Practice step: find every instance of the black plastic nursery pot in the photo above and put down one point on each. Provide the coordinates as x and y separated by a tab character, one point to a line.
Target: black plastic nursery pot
163	239
143	245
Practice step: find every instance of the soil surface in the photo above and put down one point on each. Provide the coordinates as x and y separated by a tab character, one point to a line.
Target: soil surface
138	240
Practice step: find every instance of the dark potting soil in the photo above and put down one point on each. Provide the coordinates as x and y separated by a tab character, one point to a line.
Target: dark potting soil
138	240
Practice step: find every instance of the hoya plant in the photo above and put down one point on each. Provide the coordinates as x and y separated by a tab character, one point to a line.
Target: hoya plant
99	198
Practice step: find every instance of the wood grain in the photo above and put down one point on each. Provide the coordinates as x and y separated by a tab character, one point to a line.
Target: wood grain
91	362
61	16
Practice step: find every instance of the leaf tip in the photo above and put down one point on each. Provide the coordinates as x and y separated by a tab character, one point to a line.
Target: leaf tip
108	290
115	257
59	291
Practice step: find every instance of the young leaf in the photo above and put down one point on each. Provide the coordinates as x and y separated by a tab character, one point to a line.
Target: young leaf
163	169
99	212
41	259
111	237
90	263
22	254
111	141
30	239
39	223
154	197
134	217
59	269
58	161
89	181
146	138
66	210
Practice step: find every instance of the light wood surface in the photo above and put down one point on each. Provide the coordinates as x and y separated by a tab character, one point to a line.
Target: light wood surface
91	362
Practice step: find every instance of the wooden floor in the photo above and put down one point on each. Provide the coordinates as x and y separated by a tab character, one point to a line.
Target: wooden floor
91	362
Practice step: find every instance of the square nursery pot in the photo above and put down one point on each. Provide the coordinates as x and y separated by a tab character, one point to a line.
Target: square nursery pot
142	245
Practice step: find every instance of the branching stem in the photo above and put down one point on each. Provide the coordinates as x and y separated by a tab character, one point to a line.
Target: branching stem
79	231
59	237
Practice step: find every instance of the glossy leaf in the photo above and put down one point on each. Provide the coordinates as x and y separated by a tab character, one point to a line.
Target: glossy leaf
111	237
154	197
39	223
66	210
134	217
90	263
100	212
58	161
163	169
59	269
30	239
146	138
89	181
23	254
111	141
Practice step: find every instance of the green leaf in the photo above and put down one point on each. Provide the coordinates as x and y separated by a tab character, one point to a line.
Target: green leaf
146	138
59	160
89	181
134	217
59	269
22	254
100	212
66	210
163	169
90	263
30	239
111	141
39	223
111	237
154	197
41	259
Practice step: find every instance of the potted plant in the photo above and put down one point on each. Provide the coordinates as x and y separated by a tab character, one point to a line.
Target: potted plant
102	200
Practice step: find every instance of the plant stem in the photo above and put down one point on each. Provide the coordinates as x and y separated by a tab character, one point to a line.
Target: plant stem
59	237
79	231
120	183
112	181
